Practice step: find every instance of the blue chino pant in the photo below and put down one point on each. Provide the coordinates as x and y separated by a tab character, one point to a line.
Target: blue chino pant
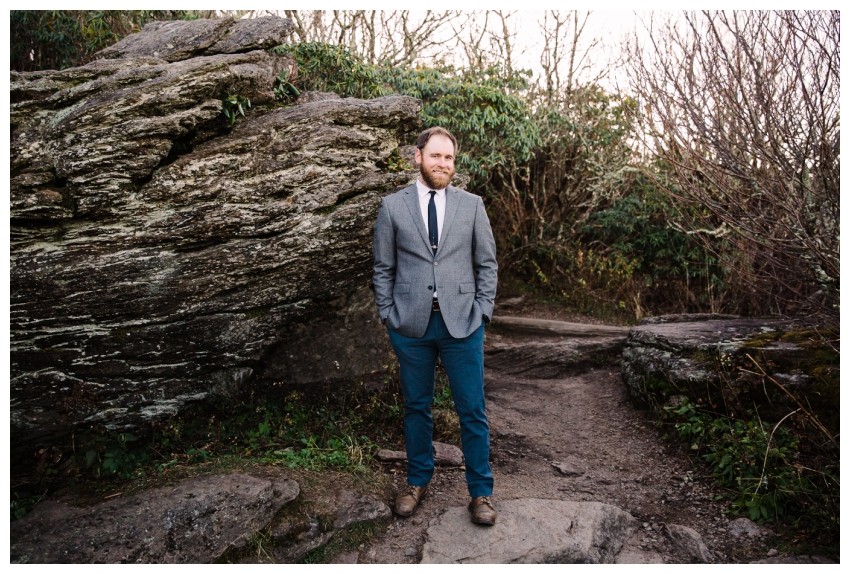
463	361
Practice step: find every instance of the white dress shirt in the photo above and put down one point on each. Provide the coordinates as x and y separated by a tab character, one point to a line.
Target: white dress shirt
439	201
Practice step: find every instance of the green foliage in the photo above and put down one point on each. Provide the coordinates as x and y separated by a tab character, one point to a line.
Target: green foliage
637	226
233	106
667	269
395	162
20	505
327	68
485	112
58	39
118	454
761	465
284	90
584	158
301	433
580	165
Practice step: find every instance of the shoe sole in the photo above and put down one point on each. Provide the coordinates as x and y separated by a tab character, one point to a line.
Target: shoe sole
484	522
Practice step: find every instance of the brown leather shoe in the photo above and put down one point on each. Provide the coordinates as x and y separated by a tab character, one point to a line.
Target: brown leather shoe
409	499
482	511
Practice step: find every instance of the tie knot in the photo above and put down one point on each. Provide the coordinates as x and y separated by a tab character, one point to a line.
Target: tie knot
433	193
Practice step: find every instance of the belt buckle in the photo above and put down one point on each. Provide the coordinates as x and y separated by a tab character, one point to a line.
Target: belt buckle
435	305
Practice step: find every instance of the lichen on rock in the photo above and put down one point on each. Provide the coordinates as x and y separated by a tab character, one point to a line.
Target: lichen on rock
161	256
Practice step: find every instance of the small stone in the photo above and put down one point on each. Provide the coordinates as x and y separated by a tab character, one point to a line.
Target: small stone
745	527
567	468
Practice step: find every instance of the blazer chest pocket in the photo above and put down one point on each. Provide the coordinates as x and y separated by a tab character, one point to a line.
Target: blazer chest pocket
467	287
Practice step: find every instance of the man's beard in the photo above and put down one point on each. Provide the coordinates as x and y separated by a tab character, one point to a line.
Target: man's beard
436	181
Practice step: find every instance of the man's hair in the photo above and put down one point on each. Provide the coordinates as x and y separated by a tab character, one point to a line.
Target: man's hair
423	138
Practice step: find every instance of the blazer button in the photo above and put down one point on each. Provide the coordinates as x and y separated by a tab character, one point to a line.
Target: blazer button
435	263
430	288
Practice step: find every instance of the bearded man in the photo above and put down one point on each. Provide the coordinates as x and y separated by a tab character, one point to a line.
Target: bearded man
434	277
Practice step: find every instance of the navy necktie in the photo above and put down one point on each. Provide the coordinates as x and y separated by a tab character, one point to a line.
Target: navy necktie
432	221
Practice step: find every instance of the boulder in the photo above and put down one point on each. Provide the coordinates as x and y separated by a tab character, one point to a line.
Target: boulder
291	538
161	256
550	349
227	518
181	39
531	531
733	364
195	521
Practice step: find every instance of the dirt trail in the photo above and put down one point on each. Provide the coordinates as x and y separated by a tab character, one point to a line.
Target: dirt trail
582	421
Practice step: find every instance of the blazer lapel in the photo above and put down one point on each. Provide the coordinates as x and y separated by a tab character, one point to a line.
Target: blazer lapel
411	198
452	201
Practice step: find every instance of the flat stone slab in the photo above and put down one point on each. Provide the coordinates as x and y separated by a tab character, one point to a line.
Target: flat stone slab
531	531
192	522
549	327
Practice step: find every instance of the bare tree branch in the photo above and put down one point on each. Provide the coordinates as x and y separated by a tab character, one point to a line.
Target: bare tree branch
744	109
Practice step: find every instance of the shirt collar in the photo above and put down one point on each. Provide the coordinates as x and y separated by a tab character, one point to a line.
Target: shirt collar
423	189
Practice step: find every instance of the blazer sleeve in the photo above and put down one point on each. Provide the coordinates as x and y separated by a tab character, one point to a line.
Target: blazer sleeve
484	261
384	265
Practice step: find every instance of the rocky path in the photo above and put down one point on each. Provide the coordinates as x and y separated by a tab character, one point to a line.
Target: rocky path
581	477
564	430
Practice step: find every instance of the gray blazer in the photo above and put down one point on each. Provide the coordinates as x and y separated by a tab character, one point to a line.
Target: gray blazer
406	271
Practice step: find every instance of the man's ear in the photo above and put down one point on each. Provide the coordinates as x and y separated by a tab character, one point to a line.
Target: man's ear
417	155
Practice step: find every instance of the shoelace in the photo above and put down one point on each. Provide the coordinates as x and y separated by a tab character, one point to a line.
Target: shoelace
415	492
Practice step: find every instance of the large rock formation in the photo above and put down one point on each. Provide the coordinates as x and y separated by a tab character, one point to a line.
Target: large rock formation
161	256
195	521
734	365
214	518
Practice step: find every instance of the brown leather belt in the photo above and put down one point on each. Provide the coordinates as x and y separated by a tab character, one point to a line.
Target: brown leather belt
435	305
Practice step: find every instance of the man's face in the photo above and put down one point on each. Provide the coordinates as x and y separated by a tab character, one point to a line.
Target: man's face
436	161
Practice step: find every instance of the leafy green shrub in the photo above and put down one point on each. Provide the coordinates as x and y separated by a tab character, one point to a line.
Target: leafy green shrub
762	467
664	269
328	68
112	454
484	111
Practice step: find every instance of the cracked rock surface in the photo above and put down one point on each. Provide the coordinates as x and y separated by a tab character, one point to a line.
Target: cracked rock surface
160	256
